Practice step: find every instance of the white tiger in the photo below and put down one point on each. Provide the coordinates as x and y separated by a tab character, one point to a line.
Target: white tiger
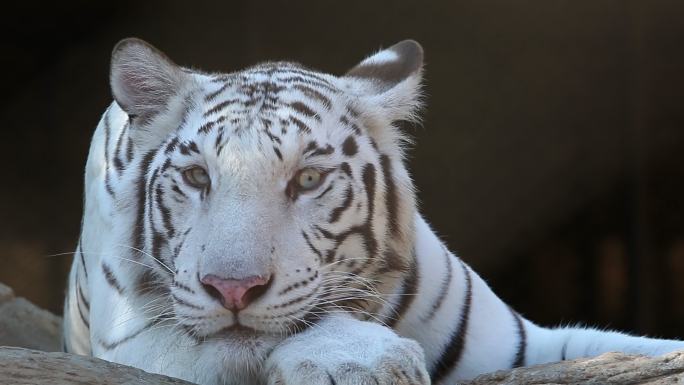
260	227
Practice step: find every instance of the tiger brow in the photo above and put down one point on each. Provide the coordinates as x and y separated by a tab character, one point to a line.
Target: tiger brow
314	151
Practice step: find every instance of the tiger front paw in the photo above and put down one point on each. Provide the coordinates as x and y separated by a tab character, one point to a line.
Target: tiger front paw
347	352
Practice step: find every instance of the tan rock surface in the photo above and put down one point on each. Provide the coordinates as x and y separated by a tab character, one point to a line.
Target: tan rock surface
31	367
25	325
608	369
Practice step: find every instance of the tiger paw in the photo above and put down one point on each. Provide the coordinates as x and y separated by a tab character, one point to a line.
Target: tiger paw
346	352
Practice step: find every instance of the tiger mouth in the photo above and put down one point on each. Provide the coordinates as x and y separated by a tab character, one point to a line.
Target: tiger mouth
238	331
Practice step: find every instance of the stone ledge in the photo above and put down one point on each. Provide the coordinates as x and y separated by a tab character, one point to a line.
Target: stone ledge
31	367
606	369
6	293
25	325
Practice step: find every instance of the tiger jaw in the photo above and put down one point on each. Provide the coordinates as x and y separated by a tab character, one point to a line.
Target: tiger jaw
292	304
283	310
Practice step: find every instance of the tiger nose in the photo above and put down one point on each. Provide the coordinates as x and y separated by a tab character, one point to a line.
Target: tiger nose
235	294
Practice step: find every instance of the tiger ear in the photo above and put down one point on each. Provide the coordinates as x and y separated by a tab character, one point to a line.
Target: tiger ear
143	79
391	80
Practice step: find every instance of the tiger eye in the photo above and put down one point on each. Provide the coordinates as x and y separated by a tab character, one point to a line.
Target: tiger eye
309	178
197	177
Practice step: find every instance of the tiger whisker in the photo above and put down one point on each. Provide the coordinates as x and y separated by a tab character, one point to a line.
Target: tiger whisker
149	255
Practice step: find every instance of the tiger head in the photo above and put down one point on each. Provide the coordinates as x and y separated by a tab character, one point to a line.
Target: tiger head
269	197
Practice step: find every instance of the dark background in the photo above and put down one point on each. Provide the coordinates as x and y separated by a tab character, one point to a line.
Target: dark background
551	157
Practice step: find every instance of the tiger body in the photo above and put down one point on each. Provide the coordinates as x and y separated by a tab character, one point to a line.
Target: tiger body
359	288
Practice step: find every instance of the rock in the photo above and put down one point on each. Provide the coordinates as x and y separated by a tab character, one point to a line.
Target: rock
5	293
608	368
31	367
25	325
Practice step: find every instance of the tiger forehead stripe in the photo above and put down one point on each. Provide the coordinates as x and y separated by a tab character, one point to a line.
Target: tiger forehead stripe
319	151
314	94
305	110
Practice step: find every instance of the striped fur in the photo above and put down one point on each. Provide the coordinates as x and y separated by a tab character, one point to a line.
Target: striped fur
350	258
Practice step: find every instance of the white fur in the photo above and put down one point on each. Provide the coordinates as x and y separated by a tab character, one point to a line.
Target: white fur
248	217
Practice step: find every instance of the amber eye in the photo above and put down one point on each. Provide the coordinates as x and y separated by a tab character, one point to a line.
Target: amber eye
309	179
196	177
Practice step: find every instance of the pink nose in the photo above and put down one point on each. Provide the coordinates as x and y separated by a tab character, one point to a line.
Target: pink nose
235	294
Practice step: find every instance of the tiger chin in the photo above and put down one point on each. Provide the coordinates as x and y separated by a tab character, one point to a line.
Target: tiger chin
260	227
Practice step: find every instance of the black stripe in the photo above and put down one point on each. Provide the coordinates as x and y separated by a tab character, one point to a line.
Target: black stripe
165	212
338	211
310	147
311	246
308	74
391	196
129	147
303	128
270	135
150	191
315	84
277	152
219	141
327	190
314	94
111	279
165	166
177	249
368	177
327	150
216	93
327	234
344	166
408	294
453	352
158	240
183	287
118	163
305	110
192	145
171	146
292	302
83	317
220	106
519	359
139	228
366	229
81	296
185	303
107	129
206	127
444	289
177	189
112	345
79	250
564	349
297	285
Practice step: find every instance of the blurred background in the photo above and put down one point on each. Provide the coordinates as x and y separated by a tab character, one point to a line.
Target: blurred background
551	157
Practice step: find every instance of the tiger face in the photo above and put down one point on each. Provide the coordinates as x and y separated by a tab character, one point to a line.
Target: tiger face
269	197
